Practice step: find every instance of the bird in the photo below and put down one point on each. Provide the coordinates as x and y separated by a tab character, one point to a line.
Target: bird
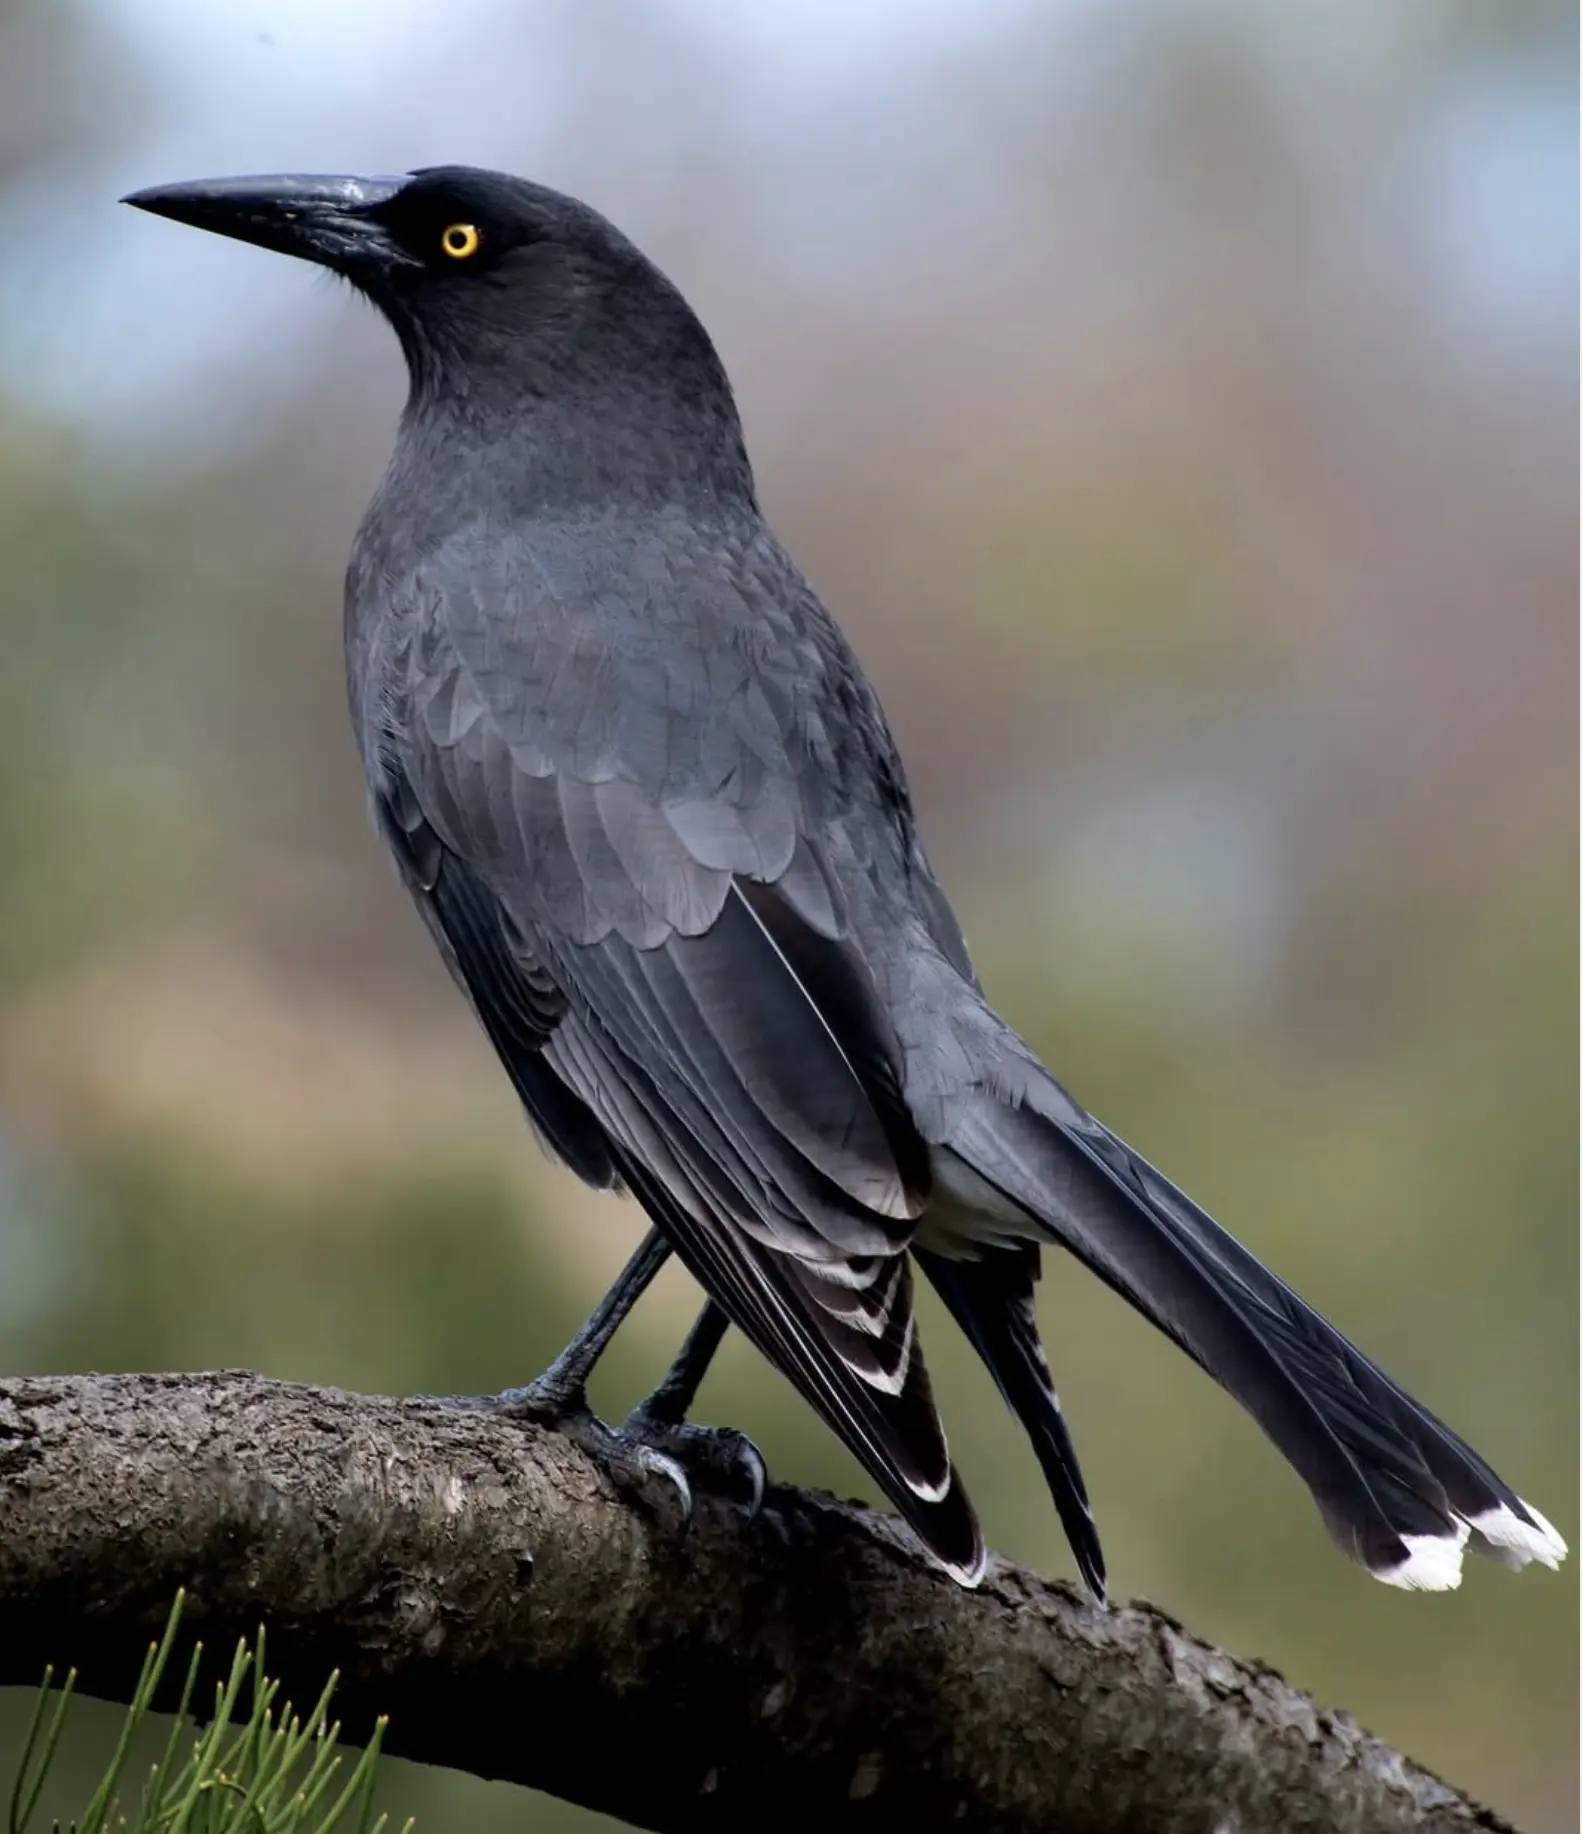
650	810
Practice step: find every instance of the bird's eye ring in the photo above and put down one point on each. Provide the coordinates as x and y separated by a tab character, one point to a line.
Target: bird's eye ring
460	240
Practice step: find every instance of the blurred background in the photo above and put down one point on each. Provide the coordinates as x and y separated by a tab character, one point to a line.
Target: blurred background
1175	400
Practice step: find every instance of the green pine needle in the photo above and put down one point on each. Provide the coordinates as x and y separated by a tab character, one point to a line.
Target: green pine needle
256	1768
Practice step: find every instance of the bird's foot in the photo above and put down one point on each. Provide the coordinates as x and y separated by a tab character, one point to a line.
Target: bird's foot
647	1448
626	1457
719	1458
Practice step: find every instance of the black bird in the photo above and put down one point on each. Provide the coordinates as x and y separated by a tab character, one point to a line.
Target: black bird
649	808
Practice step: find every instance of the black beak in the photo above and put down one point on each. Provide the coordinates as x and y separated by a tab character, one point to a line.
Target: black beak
329	220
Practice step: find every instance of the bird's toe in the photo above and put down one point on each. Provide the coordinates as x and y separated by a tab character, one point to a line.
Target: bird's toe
718	1458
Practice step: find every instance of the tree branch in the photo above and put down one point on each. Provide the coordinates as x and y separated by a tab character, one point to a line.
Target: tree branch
520	1614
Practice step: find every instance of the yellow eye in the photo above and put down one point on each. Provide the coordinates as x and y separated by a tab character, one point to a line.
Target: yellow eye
460	241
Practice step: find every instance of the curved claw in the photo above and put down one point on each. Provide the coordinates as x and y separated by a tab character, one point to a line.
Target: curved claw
758	1474
655	1463
719	1452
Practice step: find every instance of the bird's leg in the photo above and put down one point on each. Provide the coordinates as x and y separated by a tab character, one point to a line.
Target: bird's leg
661	1421
671	1401
561	1392
655	1440
559	1397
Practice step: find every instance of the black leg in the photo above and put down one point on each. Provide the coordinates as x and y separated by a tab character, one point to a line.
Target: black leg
661	1424
562	1388
671	1401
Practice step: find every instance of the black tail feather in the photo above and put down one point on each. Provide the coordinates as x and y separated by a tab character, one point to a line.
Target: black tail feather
992	1301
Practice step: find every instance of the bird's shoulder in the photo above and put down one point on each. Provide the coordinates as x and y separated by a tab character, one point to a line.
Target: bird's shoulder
613	716
684	658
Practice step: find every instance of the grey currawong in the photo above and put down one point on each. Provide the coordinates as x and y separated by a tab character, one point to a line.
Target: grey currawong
648	806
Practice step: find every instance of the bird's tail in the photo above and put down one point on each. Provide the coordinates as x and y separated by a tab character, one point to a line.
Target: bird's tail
992	1301
1398	1490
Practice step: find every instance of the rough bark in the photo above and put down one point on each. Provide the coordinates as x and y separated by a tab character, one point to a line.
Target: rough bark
520	1613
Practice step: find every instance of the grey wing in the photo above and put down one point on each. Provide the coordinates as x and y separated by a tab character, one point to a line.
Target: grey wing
516	1002
615	858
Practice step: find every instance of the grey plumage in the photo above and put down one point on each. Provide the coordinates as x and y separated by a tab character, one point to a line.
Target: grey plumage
649	807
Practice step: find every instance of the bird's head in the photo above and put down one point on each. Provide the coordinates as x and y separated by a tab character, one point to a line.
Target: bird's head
496	287
420	235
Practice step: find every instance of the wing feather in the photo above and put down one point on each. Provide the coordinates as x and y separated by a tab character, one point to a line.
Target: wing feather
610	843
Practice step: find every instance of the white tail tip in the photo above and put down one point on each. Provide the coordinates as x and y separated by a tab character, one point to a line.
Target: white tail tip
1432	1563
1504	1530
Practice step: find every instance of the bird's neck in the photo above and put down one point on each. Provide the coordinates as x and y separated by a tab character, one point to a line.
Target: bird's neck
517	460
623	399
565	447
